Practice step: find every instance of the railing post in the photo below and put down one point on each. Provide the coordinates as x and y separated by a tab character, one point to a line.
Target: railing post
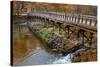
78	18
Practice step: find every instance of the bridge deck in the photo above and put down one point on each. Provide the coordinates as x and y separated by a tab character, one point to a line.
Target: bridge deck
85	22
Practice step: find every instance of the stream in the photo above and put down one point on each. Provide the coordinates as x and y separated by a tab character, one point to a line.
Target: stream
38	55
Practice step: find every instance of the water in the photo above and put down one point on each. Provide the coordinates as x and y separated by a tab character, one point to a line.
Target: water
36	53
63	59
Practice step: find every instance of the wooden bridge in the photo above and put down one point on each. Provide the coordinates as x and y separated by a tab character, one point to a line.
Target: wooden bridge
81	25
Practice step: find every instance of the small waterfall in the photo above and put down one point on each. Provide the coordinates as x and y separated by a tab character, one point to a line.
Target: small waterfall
64	59
68	58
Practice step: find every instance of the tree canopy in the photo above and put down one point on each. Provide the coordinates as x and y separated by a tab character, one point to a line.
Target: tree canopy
67	8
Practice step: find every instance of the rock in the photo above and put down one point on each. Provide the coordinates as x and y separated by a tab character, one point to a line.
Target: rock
87	55
70	43
54	50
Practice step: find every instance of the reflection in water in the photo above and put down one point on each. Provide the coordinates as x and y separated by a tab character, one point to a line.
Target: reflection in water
28	50
23	42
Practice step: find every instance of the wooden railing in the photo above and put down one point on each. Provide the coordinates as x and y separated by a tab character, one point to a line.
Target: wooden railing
81	20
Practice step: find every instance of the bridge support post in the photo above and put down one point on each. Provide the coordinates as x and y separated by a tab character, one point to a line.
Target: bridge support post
59	28
78	34
53	26
68	32
82	37
91	37
46	22
42	19
36	19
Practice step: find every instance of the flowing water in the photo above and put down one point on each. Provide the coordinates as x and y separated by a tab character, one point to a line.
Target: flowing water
34	52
